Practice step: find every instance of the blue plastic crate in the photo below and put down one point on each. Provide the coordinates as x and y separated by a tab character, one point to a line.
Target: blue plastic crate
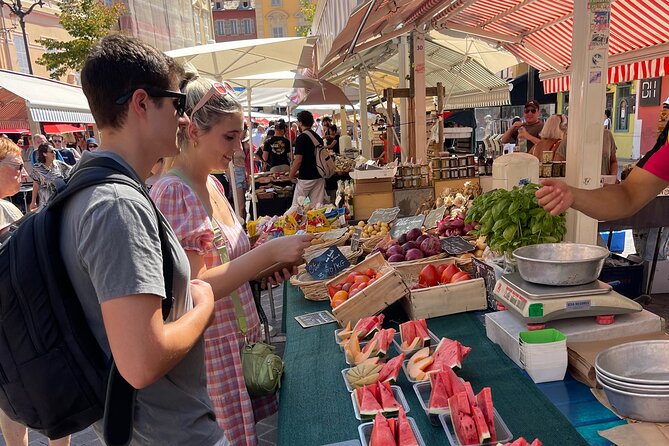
618	242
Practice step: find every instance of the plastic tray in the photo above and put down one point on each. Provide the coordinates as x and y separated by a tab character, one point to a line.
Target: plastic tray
341	345
365	431
396	342
397	393
503	433
406	373
423	390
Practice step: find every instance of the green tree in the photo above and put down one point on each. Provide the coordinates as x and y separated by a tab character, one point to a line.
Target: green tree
87	21
308	9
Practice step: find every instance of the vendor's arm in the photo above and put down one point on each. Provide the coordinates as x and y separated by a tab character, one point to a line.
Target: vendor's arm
605	203
528	136
295	167
227	277
511	132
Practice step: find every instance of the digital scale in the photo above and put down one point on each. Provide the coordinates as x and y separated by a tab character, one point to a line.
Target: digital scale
536	304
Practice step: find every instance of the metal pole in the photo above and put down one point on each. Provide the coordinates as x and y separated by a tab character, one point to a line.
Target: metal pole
253	183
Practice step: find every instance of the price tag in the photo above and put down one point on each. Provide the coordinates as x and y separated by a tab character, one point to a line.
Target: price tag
327	264
384	215
487	272
434	216
404	225
355	239
456	245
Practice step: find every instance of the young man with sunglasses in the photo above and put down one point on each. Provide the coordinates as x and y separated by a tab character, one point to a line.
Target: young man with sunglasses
70	156
112	252
529	128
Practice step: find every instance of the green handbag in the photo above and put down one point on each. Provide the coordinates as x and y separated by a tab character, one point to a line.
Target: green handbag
262	369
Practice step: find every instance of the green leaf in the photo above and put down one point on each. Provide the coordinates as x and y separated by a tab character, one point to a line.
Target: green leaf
509	232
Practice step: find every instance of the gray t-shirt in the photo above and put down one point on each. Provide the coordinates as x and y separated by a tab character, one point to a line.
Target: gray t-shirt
111	248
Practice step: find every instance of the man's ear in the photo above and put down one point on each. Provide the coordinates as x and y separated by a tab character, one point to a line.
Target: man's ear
138	102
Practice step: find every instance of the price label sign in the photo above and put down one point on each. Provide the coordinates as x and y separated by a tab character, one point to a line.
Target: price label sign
355	239
404	225
328	264
456	245
487	272
384	215
434	216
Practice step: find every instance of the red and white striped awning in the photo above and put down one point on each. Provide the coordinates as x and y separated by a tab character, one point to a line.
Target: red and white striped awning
538	32
620	73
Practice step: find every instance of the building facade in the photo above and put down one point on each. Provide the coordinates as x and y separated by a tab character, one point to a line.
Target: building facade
234	20
41	22
168	24
279	18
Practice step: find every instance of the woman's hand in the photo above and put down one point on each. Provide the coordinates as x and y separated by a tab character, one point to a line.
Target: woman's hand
289	249
282	276
33	206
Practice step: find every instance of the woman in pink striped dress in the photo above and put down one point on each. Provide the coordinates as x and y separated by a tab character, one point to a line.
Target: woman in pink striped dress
194	203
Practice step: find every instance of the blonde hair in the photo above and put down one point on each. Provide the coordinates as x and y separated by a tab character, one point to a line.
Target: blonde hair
7	148
206	117
554	127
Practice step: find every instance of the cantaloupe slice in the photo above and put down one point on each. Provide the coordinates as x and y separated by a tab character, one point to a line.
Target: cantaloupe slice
345	334
417	370
406	349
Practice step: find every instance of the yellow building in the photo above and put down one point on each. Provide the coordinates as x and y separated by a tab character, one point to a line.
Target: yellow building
279	18
41	22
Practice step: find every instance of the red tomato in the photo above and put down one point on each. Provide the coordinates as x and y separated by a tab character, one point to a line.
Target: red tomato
460	277
353	293
351	277
331	291
448	273
370	273
428	276
441	268
371	282
362	286
361	279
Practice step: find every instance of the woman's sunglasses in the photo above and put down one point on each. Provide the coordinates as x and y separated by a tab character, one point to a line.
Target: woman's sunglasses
179	103
12	164
218	87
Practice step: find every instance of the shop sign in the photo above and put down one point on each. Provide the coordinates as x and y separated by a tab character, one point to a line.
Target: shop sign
650	91
328	264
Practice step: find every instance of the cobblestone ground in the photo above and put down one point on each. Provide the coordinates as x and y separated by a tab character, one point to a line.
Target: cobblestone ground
266	429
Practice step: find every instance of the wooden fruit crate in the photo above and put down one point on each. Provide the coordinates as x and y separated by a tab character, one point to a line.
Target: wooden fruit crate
388	289
442	299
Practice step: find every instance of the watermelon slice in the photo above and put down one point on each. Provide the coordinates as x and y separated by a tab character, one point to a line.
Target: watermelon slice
438	402
392	422
382	435
368	404
368	325
388	402
407	332
405	435
522	442
391	369
380	343
455	383
449	354
484	402
470	393
421	331
536	442
463	424
481	425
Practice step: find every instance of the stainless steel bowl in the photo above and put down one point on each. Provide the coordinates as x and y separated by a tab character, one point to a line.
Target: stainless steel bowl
560	264
652	408
634	388
641	362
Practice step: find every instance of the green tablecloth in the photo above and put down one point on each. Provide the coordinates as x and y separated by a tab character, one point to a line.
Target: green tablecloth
315	407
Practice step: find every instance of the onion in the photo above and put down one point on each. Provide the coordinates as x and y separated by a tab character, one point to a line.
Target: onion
430	246
414	254
396	258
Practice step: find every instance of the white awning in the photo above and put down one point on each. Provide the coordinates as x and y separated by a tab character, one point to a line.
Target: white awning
46	100
489	99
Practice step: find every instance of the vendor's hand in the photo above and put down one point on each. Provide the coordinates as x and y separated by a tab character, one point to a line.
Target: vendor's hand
517	124
522	131
289	249
555	196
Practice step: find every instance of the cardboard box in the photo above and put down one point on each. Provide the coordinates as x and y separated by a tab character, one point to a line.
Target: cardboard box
373	186
373	174
386	290
365	204
440	300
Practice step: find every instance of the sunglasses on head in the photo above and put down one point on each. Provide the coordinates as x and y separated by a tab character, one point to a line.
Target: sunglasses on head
530	110
218	87
179	103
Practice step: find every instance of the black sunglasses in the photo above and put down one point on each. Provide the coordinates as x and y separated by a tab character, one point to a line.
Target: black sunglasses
179	104
530	110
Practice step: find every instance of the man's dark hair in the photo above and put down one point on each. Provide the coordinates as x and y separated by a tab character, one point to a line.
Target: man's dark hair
116	66
306	118
42	150
270	133
271	124
327	118
607	113
332	129
281	126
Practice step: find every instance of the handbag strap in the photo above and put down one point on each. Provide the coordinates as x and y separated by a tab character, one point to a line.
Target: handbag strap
222	249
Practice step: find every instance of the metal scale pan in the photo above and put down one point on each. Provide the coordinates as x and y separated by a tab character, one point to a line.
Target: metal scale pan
536	291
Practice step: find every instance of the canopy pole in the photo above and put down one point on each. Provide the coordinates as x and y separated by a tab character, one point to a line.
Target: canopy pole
403	55
253	183
419	96
365	144
589	55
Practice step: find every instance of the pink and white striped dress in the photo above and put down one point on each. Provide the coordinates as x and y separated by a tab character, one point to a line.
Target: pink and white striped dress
236	411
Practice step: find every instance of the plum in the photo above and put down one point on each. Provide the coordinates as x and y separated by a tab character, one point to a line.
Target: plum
396	258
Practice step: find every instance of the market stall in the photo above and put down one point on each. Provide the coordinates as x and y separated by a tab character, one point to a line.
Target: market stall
273	193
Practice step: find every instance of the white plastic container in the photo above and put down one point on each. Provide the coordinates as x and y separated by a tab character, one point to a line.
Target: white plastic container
423	391
397	393
508	170
504	435
365	431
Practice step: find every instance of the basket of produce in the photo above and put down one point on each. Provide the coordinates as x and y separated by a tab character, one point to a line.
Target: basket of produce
369	231
316	289
414	246
335	237
369	244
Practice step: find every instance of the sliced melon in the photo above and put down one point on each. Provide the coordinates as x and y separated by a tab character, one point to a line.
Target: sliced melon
391	370
405	436
438	402
388	402
345	333
417	370
368	405
463	424
408	348
481	425
470	393
484	402
382	435
421	331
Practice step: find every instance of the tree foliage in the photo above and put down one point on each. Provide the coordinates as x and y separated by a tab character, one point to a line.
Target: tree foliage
87	21
308	9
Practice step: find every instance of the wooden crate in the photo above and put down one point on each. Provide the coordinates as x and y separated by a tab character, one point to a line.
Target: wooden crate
365	204
443	299
388	289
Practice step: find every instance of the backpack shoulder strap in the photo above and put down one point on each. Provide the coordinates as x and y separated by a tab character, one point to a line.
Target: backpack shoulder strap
104	170
313	139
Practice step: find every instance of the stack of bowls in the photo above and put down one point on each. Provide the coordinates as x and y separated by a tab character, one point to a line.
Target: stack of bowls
543	354
635	378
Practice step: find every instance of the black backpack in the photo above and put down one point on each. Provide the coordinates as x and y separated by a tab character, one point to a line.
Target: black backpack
54	376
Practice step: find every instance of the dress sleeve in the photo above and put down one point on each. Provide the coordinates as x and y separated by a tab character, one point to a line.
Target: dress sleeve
185	213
